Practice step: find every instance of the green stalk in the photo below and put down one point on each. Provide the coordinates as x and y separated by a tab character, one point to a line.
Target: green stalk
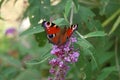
116	57
71	14
115	25
106	22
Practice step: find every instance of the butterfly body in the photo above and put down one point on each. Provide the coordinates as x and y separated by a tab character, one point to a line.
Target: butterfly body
57	35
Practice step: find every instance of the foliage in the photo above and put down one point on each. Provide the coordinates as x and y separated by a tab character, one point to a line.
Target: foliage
26	57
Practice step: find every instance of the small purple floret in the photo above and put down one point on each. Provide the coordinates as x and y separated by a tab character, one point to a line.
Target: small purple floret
11	32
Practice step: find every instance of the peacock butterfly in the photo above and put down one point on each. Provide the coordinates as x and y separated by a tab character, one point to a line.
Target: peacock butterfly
57	35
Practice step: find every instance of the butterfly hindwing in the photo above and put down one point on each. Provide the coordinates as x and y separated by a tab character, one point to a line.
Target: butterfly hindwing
52	31
57	35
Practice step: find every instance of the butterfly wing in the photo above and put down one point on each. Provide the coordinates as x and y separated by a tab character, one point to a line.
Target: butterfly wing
57	35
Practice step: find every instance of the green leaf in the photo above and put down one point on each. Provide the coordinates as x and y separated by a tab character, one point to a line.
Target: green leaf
41	60
1	2
87	47
60	22
1	77
94	25
2	18
32	30
84	43
105	57
76	4
68	7
41	38
10	60
44	55
88	70
37	10
95	34
104	5
85	13
108	7
86	17
10	72
116	24
106	72
29	75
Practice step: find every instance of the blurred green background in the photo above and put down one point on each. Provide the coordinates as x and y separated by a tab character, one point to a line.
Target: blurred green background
25	50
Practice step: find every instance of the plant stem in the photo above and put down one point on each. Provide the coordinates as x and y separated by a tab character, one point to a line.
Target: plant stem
56	73
71	19
71	15
116	57
79	34
93	3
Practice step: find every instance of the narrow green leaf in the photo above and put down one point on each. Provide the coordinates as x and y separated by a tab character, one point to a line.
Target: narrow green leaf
112	17
68	7
45	54
85	13
2	18
103	7
41	59
83	42
95	34
36	62
76	3
87	47
10	60
106	72
29	74
116	24
105	57
32	30
10	72
1	2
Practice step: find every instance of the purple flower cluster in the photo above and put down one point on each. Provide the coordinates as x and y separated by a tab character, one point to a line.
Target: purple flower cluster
65	54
